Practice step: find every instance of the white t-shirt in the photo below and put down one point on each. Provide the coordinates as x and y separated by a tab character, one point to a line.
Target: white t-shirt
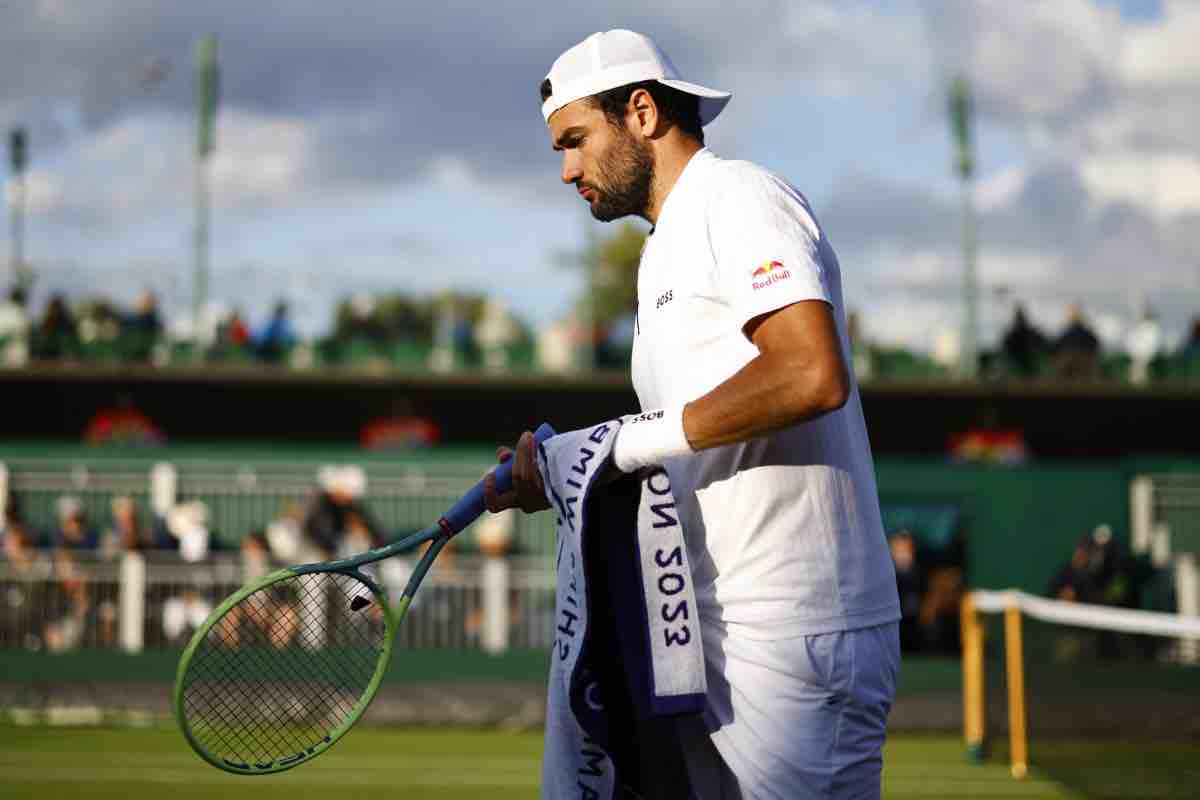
784	532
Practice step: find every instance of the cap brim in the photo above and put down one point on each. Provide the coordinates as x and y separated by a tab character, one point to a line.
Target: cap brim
712	101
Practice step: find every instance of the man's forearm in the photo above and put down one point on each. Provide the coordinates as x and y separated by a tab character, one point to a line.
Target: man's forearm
772	392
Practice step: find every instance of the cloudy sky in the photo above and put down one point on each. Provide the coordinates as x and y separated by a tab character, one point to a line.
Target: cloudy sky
396	145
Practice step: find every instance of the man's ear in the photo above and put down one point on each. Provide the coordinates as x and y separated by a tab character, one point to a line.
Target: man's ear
645	113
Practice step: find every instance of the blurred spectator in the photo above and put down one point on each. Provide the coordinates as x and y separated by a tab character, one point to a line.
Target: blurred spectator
1024	346
275	618
256	556
1073	582
285	534
327	520
359	537
465	347
187	527
910	583
555	347
56	336
12	516
1077	350
73	533
496	334
494	533
234	331
1144	344
336	524
125	534
183	614
72	537
939	617
276	337
14	329
24	601
1101	571
143	328
187	523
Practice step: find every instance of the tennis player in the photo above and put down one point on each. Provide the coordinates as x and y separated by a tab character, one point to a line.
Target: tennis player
741	365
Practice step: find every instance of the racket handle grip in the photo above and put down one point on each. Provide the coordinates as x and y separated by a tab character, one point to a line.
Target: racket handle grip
470	506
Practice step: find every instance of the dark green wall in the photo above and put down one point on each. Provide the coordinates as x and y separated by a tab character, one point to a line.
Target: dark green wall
1019	522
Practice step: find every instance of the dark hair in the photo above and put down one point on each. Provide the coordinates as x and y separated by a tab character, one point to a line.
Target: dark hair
678	108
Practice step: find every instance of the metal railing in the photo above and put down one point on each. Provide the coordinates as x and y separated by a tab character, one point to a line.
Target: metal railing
244	497
57	602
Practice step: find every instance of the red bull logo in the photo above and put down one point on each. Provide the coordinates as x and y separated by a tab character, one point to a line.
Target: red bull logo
766	268
769	273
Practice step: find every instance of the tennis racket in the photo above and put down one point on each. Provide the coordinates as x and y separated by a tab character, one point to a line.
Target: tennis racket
286	665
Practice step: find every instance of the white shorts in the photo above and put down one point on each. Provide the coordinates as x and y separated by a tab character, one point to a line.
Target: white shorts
795	718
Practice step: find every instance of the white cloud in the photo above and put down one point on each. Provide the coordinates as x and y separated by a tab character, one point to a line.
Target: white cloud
1164	52
43	192
1167	184
128	171
260	159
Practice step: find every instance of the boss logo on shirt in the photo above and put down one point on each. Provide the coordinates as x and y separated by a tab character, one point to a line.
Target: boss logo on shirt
665	298
647	416
770	272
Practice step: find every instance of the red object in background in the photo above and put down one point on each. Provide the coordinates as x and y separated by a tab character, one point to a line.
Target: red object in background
399	432
239	334
988	446
124	426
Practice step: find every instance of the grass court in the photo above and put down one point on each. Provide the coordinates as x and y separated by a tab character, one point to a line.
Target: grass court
127	764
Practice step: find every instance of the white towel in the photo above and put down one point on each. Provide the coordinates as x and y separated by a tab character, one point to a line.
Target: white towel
635	530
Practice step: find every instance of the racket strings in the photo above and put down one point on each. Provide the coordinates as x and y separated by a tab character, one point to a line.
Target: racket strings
280	699
283	669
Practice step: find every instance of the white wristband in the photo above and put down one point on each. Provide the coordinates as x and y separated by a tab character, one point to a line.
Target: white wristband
650	438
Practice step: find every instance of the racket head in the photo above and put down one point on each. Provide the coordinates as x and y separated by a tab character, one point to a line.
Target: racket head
283	668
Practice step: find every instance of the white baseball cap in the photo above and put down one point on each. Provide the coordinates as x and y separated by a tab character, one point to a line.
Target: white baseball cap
615	58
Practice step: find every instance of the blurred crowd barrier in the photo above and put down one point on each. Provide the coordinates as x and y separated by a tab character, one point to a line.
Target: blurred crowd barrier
134	555
140	602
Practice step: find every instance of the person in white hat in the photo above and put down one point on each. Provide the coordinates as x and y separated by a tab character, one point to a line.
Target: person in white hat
741	366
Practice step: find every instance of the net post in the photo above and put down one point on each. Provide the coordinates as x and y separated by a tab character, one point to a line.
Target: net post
1015	663
974	718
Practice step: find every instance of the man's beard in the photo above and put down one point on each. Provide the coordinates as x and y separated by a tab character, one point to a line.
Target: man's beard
624	180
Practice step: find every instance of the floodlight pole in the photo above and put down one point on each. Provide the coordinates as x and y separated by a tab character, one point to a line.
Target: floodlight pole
17	255
961	114
207	77
200	245
18	157
970	345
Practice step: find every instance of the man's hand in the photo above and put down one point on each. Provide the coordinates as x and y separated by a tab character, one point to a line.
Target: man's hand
528	492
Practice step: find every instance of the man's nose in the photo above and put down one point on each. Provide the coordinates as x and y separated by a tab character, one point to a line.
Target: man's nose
571	171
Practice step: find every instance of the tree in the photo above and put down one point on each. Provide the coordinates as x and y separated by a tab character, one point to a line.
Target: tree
611	263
